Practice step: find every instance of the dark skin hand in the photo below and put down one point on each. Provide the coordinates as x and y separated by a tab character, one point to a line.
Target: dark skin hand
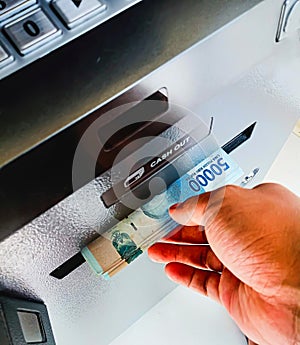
241	247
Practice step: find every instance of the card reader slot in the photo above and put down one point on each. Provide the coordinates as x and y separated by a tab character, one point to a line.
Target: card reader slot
120	137
129	124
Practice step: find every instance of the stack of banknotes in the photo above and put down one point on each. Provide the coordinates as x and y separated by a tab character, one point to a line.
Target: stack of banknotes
127	240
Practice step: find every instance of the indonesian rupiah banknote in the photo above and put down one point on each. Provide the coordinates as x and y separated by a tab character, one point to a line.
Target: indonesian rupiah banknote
124	242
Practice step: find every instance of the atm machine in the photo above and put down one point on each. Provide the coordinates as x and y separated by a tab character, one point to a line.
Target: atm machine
73	76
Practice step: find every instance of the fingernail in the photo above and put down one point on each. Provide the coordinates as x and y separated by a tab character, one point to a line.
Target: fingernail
173	207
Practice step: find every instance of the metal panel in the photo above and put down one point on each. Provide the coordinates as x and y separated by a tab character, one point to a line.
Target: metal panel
243	86
14	11
63	86
203	76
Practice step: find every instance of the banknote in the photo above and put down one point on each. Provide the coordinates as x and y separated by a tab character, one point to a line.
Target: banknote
127	240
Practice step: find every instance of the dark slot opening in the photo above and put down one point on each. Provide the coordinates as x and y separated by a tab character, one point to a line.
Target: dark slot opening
129	123
239	139
120	137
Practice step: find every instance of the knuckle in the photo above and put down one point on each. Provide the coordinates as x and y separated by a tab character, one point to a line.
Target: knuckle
210	259
203	257
193	274
205	284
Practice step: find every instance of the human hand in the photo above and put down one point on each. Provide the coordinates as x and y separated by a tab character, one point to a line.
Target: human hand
242	248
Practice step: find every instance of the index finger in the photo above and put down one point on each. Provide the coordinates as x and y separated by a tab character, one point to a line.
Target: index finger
187	235
199	209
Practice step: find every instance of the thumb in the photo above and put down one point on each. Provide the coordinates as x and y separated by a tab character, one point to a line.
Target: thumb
195	211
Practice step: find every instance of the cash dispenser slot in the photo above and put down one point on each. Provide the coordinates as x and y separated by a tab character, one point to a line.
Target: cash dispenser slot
120	133
164	167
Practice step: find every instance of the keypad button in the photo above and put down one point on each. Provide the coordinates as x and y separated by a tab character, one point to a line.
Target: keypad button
8	7
31	31
5	57
74	12
3	54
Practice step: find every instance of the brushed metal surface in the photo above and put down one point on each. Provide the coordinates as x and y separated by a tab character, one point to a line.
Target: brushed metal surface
73	14
3	54
31	31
